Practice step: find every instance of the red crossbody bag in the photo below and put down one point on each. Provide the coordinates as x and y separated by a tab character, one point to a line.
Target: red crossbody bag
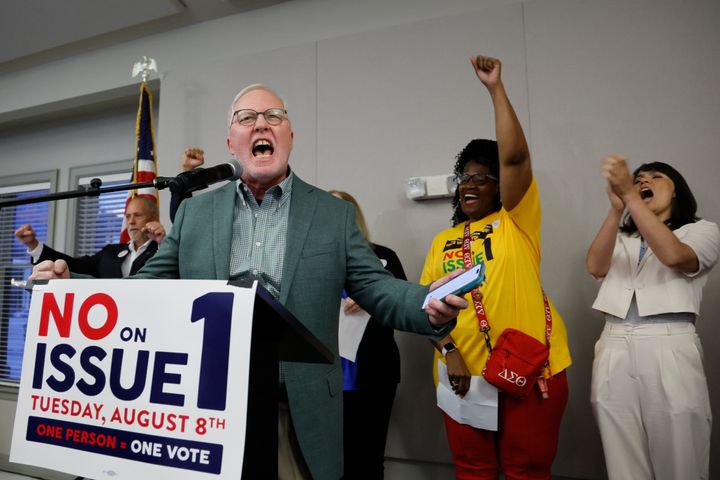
517	361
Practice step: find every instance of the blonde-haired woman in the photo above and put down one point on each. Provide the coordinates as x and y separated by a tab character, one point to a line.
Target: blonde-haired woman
369	383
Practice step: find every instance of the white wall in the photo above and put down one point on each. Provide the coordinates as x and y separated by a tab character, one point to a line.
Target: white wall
382	90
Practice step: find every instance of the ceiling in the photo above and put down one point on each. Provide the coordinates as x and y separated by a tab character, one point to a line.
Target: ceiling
39	31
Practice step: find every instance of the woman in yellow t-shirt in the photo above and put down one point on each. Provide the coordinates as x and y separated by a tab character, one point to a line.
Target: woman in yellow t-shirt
497	199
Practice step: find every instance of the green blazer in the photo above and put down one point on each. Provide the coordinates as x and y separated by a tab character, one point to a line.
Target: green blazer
325	253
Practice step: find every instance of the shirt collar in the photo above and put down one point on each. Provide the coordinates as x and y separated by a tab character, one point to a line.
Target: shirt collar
281	191
143	247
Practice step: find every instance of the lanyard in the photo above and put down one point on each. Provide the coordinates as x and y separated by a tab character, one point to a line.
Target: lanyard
477	297
643	249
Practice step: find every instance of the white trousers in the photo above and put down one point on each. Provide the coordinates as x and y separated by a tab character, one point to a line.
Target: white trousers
650	398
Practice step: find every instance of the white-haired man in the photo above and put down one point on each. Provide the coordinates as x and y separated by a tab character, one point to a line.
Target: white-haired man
304	246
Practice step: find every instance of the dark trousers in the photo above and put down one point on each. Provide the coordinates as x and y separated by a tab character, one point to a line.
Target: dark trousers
366	415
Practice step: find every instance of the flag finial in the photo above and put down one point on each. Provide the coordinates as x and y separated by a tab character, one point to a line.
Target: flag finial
144	67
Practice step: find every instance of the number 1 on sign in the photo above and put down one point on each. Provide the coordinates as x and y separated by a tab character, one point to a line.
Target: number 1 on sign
216	309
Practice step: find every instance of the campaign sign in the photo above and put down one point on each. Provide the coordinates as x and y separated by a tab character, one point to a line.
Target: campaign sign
134	379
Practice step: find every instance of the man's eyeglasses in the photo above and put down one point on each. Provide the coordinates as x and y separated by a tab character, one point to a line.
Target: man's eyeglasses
478	179
247	117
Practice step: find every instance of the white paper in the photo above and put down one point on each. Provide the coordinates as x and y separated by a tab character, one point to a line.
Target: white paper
352	328
479	407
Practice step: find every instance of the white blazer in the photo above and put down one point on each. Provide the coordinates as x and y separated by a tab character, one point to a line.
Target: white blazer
657	288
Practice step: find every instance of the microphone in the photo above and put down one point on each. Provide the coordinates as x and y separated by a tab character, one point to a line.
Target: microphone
199	178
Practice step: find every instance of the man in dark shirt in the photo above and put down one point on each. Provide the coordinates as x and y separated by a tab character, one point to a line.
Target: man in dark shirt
115	260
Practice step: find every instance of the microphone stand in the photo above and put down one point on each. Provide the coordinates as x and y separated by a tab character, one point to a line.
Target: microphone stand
93	190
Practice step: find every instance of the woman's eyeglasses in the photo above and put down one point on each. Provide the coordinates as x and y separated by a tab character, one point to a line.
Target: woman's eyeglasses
478	179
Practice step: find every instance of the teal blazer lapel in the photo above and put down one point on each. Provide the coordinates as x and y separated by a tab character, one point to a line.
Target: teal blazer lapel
302	209
223	214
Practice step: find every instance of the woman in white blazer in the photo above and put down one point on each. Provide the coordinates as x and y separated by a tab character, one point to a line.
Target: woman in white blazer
649	391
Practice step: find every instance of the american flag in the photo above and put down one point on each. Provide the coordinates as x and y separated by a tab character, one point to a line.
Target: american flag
144	168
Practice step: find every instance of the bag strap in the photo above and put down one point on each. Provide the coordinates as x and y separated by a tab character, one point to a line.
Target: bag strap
475	293
477	297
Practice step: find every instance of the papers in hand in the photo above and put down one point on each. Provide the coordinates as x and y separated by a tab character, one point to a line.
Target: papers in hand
351	330
479	407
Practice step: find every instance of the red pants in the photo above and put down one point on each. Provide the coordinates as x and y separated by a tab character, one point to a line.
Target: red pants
525	444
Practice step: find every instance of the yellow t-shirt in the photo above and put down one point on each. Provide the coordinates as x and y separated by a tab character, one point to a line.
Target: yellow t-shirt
508	243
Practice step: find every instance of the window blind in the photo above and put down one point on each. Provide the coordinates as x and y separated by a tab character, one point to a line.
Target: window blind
15	266
99	219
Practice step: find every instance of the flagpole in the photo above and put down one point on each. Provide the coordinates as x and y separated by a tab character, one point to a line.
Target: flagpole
145	164
144	67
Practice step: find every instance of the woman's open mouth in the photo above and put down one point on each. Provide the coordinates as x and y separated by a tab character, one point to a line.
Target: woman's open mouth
470	199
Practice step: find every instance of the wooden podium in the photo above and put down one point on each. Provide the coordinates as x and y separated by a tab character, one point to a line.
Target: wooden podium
276	336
